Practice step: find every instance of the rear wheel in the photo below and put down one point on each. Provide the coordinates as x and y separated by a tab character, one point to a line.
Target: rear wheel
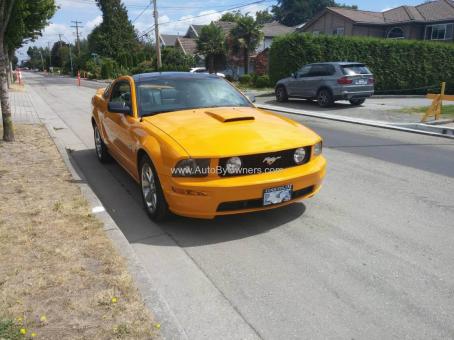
152	196
281	94
357	102
325	98
100	147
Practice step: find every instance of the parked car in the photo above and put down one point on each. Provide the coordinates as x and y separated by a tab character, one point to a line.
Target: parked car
199	148
328	82
204	70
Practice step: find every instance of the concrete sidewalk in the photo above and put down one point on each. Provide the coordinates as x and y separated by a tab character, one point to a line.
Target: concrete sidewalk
22	109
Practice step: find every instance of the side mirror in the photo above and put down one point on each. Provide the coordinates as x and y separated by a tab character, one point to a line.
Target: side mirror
118	107
251	98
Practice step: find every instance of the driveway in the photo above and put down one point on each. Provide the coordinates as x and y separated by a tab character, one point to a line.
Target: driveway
381	109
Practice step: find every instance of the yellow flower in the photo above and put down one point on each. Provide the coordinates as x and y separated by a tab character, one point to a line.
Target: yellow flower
19	319
114	300
33	334
43	318
157	325
23	331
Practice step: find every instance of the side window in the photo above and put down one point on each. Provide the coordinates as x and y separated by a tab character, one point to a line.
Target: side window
107	91
304	72
121	93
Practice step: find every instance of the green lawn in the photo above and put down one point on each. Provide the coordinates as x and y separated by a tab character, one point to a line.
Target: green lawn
447	111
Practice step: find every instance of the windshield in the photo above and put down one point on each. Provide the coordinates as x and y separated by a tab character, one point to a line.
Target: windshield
164	94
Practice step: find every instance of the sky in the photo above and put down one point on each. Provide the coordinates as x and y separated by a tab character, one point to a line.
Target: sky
174	15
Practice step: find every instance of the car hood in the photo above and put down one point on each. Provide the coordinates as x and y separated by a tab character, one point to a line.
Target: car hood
223	132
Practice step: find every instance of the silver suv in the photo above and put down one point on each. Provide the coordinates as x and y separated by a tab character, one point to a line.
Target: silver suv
328	82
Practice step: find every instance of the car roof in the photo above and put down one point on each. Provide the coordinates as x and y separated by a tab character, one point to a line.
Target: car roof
342	63
176	75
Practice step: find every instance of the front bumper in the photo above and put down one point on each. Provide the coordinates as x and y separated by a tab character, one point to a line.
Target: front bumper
213	196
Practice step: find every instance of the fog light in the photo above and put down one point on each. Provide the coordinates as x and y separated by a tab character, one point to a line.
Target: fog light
233	165
299	155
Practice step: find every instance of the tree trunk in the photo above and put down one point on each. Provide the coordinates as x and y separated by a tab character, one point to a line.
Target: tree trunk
246	60
211	64
8	132
7	69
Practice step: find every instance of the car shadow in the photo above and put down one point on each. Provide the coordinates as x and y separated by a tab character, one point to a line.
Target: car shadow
121	197
310	105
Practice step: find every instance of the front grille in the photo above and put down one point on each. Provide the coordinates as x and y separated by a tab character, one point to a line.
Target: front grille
257	162
258	202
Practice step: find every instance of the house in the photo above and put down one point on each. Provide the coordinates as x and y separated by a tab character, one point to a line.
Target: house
168	40
271	30
433	20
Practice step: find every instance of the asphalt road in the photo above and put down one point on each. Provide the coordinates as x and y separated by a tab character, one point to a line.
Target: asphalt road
370	257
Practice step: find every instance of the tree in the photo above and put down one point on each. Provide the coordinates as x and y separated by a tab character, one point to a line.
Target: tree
30	17
211	43
295	12
263	17
115	37
231	16
246	36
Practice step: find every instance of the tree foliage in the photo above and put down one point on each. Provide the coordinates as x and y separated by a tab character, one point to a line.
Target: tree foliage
295	12
263	17
211	44
231	16
115	37
246	36
388	59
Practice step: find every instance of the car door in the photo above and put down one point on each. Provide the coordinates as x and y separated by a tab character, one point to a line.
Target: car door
120	125
296	83
312	81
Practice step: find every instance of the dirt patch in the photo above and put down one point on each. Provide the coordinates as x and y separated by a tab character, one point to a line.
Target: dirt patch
60	276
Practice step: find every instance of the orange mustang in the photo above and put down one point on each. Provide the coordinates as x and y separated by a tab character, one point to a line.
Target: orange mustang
199	148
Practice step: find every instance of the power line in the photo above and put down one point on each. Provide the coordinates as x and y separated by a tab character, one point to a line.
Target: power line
143	11
206	14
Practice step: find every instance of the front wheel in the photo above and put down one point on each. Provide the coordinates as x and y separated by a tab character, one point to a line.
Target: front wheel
325	98
152	196
357	102
100	147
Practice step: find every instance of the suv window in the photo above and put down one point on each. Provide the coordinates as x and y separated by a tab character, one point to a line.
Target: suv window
354	69
304	72
322	70
121	93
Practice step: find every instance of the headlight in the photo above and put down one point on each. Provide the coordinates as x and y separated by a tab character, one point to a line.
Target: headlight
233	165
299	155
318	149
191	168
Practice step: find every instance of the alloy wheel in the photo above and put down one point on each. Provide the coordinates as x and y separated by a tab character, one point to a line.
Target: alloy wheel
149	188
98	143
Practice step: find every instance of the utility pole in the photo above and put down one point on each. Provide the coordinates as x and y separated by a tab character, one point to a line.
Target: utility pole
50	54
77	27
71	59
42	60
59	38
156	31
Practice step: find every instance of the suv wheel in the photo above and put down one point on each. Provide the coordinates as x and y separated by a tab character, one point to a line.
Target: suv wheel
281	94
152	196
357	102
325	98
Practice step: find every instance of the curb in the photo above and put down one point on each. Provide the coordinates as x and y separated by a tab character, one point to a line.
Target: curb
367	122
170	328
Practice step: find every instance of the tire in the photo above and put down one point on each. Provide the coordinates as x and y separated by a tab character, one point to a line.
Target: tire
153	198
101	149
357	102
325	98
281	94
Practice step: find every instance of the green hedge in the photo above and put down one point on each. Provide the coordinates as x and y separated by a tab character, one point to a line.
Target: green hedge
397	65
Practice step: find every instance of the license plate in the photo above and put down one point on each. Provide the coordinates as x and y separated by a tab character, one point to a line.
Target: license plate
361	82
277	195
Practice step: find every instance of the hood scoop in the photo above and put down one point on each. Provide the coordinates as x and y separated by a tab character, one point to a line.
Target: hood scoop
230	116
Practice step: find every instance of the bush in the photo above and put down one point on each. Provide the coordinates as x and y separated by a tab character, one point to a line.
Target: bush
397	65
143	67
262	81
245	79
